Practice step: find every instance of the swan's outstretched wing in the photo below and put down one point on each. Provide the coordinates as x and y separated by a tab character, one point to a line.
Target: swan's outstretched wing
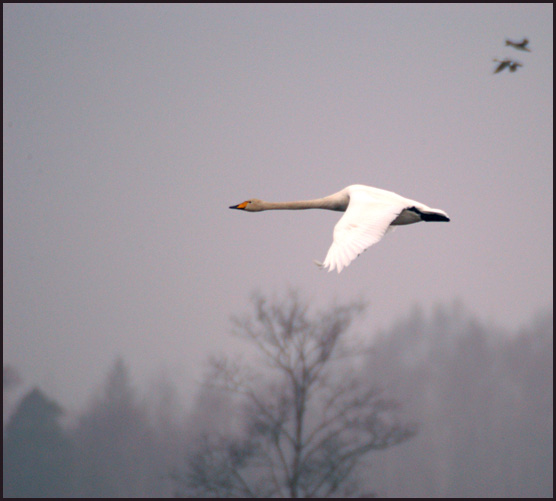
364	223
503	65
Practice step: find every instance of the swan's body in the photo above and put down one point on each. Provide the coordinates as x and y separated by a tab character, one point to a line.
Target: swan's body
519	45
369	213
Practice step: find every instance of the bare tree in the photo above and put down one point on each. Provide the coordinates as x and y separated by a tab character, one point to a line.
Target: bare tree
308	417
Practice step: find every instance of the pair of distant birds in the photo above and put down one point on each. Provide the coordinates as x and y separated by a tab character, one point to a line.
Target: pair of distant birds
510	63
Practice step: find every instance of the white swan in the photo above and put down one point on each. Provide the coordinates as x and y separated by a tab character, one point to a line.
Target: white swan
369	213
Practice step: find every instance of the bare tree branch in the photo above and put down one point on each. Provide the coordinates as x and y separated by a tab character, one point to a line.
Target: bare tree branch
309	419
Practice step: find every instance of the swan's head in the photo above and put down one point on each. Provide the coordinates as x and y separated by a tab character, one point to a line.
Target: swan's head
252	205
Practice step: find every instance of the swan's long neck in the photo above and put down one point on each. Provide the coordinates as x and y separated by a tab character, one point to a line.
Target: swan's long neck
329	203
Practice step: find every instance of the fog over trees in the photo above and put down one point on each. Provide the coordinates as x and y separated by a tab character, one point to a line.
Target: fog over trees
481	400
308	416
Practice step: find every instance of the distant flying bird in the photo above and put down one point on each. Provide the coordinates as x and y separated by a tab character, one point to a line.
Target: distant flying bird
506	63
519	45
502	66
369	214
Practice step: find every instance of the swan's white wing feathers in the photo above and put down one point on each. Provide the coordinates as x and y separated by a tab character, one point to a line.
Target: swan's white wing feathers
364	223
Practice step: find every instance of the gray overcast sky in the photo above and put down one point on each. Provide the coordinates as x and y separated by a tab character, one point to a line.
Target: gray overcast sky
129	129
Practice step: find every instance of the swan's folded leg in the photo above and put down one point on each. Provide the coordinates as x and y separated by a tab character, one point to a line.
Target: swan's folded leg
318	263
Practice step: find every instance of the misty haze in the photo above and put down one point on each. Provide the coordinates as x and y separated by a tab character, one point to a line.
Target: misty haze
477	406
158	344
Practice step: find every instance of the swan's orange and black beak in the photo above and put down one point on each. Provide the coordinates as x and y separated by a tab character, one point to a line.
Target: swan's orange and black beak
240	206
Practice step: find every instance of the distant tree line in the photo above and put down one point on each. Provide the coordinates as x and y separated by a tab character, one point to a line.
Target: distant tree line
483	400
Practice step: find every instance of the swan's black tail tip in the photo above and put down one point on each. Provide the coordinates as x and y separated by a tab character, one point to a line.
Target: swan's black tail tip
434	216
430	216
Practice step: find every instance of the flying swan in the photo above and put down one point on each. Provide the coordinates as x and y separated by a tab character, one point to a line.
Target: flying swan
506	63
519	45
369	214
